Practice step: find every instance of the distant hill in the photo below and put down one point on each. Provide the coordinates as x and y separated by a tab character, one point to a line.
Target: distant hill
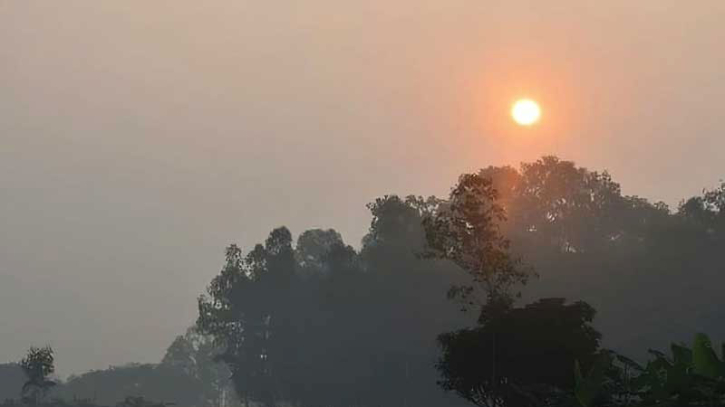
11	381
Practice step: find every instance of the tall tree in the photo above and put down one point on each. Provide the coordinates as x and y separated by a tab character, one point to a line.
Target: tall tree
197	356
338	327
38	366
466	231
251	311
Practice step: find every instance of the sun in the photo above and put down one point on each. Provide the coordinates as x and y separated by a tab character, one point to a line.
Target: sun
525	112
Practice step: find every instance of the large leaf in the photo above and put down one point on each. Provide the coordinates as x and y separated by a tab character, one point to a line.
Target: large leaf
681	354
704	360
677	379
629	363
586	389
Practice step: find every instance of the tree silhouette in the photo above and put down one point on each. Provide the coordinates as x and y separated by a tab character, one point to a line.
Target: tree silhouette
588	240
326	325
245	316
536	347
196	356
38	365
317	322
465	230
162	382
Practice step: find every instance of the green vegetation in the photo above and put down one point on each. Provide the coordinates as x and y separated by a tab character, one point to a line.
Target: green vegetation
314	322
690	376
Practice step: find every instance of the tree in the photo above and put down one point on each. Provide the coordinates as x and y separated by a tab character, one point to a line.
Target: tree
402	304
313	245
588	240
536	347
38	365
316	322
251	311
197	356
562	206
162	383
326	325
466	231
180	355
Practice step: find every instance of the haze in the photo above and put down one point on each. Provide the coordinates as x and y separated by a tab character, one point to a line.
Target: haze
138	139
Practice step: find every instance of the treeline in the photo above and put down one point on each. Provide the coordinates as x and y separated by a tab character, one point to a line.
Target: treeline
187	376
314	322
552	265
653	273
319	323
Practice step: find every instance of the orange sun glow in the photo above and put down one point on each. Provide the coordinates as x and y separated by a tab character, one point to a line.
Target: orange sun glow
526	112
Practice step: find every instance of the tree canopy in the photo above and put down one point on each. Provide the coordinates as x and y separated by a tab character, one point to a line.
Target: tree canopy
313	321
38	366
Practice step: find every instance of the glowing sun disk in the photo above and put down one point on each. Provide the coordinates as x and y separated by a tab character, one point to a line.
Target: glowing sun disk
525	112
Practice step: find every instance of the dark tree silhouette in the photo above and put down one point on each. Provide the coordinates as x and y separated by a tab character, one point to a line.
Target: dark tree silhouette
312	247
160	383
38	365
320	323
465	230
587	240
536	347
249	322
325	325
196	356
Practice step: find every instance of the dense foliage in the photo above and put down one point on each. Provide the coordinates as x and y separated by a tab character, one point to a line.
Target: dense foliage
319	323
689	376
314	322
322	324
523	357
188	376
38	365
653	274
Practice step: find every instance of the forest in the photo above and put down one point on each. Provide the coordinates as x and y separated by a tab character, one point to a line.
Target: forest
543	285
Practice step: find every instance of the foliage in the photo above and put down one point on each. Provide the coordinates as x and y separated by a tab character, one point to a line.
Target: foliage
588	240
196	356
323	324
589	388
688	377
465	230
316	322
150	381
522	357
38	365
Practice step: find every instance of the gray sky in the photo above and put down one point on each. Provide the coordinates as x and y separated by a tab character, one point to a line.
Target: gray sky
138	138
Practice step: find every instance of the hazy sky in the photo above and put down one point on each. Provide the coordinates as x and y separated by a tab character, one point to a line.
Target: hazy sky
138	138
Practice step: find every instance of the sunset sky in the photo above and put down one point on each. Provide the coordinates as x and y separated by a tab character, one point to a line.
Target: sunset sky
138	138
